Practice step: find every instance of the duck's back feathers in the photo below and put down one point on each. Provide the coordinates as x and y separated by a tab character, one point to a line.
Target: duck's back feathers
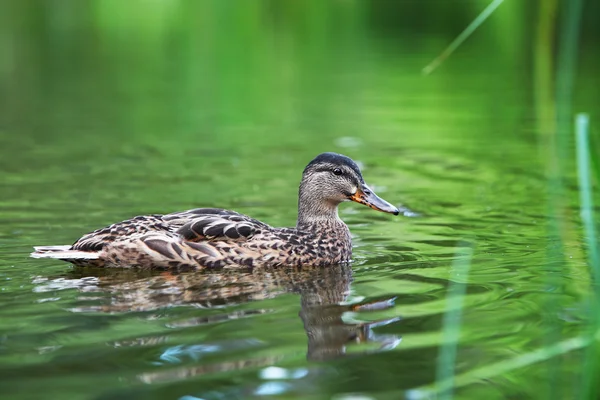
192	225
188	239
214	224
96	240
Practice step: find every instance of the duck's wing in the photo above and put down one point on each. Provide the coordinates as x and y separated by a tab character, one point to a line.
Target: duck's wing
96	240
214	224
158	231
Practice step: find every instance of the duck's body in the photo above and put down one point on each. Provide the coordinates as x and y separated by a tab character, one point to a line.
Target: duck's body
209	237
212	237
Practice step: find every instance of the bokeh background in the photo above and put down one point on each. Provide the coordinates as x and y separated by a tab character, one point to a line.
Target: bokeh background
113	108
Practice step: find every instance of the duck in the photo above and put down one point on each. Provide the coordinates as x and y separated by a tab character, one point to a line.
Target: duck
203	238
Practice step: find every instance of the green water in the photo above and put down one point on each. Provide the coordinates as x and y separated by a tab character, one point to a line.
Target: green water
110	110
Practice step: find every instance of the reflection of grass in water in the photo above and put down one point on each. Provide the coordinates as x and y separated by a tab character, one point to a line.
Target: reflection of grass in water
442	388
452	322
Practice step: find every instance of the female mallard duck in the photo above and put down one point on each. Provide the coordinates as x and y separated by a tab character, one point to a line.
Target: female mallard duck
213	237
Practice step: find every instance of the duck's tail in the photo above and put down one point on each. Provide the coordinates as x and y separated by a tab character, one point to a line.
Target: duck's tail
63	253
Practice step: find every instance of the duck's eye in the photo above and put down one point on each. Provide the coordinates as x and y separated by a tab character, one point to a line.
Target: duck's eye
337	171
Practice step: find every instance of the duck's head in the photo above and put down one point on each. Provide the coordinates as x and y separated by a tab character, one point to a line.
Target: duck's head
330	179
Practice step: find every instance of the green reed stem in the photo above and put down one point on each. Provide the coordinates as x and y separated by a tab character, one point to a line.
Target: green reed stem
584	165
566	68
462	37
451	323
568	46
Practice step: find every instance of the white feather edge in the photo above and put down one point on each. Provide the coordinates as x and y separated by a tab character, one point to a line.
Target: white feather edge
52	248
61	252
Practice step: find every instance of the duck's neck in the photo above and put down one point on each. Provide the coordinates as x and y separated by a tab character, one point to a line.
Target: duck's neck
313	211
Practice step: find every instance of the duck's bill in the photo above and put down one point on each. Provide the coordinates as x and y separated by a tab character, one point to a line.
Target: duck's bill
365	195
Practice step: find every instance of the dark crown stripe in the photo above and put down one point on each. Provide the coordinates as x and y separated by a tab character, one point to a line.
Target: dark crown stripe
334	159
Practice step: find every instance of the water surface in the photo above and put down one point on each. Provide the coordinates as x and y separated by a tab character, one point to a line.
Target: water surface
166	114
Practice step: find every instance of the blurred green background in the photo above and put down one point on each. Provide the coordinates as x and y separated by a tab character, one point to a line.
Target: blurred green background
224	74
112	108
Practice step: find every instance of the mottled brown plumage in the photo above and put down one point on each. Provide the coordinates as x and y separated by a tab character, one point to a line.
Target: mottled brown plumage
212	237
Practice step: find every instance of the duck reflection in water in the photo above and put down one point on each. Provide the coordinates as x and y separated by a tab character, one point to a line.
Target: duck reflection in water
322	291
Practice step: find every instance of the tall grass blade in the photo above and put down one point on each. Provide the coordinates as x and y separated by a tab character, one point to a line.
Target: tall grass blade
462	37
567	52
452	320
567	66
594	147
584	165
